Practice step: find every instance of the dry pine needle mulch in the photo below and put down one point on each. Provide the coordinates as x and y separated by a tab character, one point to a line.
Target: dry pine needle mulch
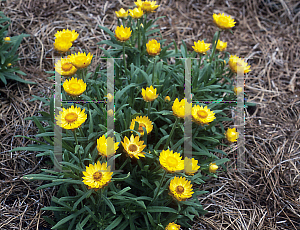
264	196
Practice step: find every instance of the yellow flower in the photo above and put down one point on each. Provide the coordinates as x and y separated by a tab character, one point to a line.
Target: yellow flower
179	108
67	35
64	67
97	175
153	47
213	167
170	161
147	6
134	146
167	99
121	13
172	226
110	113
74	87
6	40
221	46
109	97
9	65
190	166
81	60
223	21
235	63
102	145
232	135
136	13
122	34
143	122
62	45
149	94
237	90
71	118
180	188
201	46
202	115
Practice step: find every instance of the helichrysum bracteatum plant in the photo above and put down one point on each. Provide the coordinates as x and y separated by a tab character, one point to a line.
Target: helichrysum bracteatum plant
8	53
139	178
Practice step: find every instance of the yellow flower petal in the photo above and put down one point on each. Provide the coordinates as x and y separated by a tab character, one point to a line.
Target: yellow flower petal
180	188
134	147
223	21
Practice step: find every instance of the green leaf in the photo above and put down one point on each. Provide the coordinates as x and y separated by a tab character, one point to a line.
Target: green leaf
115	223
221	161
109	204
66	219
84	196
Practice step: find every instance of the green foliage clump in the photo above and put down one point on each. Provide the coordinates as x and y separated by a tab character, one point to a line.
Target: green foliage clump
8	53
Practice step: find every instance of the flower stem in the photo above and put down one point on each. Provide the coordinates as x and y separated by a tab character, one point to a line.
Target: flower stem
149	107
75	136
124	59
215	46
171	134
139	34
160	183
153	75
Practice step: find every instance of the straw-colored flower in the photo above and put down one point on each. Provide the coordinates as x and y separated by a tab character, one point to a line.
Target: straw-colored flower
190	166
62	45
67	35
180	188
201	47
147	6
235	63
149	94
122	13
202	115
110	113
97	176
179	107
102	145
223	21
134	146
237	90
153	47
170	161
232	135
81	60
213	167
172	226
136	12
143	122
221	46
8	65
167	99
109	97
65	67
71	118
74	87
122	34
6	40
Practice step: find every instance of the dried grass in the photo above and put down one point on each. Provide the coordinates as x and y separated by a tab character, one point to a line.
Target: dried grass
266	196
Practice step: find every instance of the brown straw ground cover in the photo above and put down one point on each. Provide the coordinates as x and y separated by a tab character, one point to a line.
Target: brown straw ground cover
265	196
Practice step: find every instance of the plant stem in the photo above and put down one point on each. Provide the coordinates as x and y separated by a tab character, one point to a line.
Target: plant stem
215	46
75	136
153	75
160	183
124	59
171	134
139	34
149	107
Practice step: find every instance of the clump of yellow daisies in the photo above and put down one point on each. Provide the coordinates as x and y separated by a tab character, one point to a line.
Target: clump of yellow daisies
175	172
